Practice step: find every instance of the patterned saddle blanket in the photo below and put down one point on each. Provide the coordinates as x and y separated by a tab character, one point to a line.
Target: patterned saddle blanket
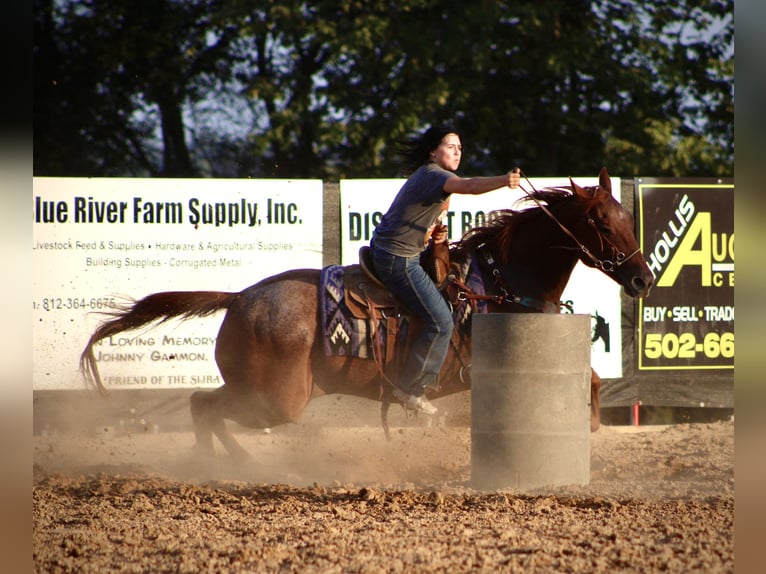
356	313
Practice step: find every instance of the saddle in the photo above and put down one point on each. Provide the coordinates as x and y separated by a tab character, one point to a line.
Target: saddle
367	296
368	299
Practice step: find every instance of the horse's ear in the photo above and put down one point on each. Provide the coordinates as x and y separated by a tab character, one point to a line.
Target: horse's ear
577	190
604	180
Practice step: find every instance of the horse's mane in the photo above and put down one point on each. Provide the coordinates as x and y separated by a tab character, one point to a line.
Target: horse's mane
503	223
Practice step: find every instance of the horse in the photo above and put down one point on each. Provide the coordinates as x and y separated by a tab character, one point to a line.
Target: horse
270	349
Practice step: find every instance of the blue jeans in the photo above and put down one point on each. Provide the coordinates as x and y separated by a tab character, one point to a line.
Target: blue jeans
412	286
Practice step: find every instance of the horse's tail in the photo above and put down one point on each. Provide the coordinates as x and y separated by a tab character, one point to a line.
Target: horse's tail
158	307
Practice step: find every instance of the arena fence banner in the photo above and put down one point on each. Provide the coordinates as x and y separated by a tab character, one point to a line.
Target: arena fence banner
363	203
97	242
687	235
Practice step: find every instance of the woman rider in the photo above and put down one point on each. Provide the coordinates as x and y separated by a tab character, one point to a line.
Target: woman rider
403	233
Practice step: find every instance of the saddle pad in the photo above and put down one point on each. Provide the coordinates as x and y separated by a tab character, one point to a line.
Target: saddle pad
343	333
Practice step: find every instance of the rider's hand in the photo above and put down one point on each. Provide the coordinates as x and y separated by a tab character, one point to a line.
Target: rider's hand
514	178
440	233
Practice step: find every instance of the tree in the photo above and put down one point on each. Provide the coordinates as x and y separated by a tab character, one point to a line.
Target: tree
677	114
324	88
126	69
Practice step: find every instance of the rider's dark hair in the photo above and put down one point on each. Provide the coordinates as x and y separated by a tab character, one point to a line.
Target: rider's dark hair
416	151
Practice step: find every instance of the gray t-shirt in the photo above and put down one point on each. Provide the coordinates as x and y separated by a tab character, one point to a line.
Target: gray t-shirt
415	209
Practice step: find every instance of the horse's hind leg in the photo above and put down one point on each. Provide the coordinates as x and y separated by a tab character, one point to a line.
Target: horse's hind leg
263	352
208	409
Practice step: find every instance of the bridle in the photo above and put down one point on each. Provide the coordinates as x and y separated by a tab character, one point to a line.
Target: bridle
605	265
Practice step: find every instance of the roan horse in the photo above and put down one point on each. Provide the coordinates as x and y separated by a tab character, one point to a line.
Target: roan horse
270	351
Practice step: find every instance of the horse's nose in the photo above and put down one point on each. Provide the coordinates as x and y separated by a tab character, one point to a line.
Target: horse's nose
642	285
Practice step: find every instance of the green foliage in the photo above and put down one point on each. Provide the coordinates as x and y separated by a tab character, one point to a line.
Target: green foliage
233	88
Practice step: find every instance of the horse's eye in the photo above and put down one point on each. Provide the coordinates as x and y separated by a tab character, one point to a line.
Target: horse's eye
601	226
599	221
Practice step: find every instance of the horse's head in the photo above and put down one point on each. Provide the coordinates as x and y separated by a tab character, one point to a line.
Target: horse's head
607	238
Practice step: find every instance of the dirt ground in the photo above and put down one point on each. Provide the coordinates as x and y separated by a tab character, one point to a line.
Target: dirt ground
343	499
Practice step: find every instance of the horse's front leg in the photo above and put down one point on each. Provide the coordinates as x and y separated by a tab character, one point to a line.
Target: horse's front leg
595	390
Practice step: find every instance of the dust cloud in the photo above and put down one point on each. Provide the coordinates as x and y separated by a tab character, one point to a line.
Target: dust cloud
332	494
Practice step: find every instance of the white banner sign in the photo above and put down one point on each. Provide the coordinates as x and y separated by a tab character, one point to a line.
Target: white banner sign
363	203
97	241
